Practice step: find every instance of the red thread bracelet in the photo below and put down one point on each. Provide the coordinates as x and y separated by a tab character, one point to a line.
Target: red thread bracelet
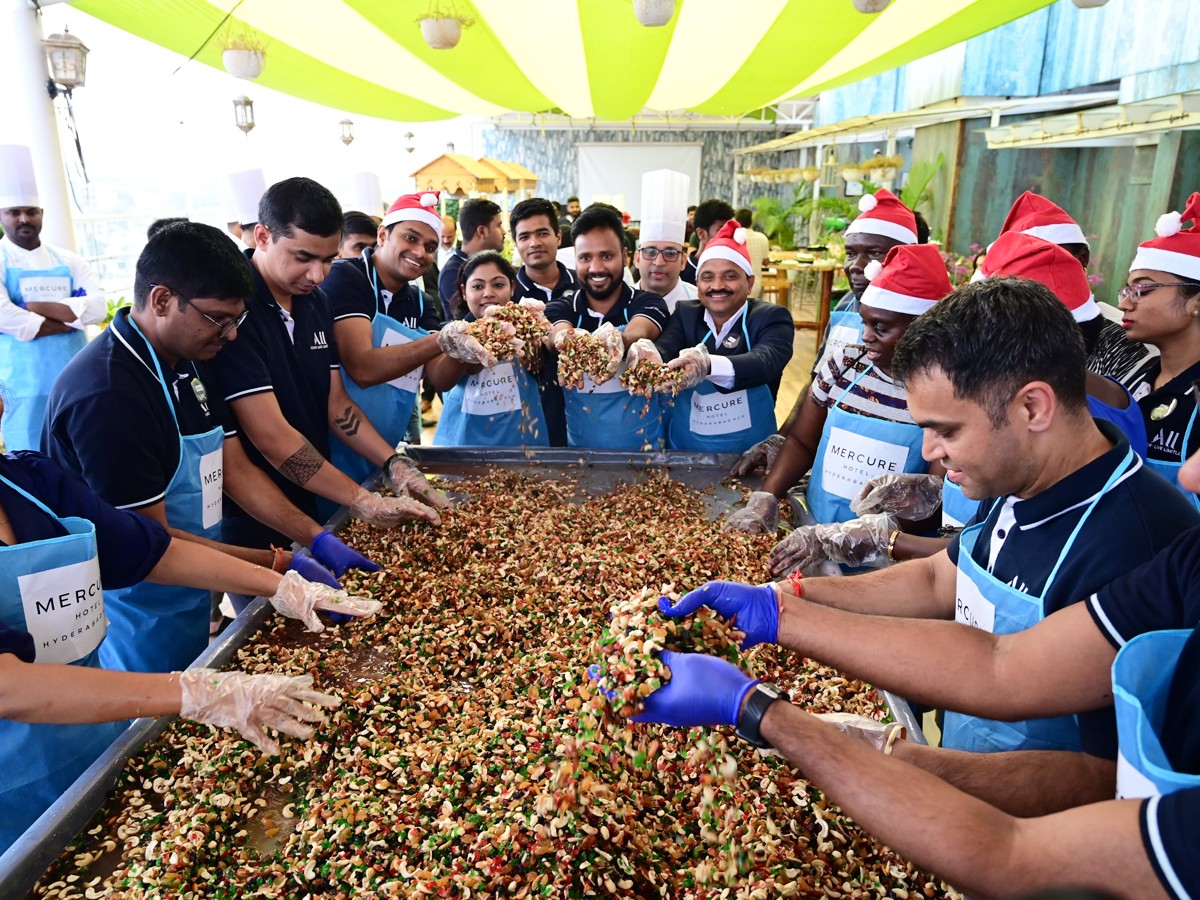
796	580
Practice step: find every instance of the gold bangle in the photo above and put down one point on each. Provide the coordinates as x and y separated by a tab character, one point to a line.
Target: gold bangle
891	551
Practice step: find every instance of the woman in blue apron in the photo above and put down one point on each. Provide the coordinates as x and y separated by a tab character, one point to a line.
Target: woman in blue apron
498	406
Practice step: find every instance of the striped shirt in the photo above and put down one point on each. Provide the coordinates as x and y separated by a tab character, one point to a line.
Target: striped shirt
875	395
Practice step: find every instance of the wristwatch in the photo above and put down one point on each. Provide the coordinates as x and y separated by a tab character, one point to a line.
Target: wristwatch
762	695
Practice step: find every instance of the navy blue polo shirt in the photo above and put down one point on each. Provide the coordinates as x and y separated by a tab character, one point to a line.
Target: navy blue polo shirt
296	367
18	643
568	284
448	283
128	544
630	304
690	270
354	290
108	422
1167	411
1172	840
553	403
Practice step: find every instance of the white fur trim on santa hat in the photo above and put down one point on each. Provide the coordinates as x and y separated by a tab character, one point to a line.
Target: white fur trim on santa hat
881	298
722	252
1058	233
1087	310
978	275
1168	224
873	225
423	214
867	202
1167	261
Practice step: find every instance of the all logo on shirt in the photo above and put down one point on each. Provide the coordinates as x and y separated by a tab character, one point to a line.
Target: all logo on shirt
732	341
1166	442
319	342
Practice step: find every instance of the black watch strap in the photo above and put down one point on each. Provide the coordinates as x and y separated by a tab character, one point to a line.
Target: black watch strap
762	695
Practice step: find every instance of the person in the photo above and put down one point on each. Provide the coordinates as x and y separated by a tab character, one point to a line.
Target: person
573	210
690	230
60	545
482	229
1161	306
358	234
48	295
661	255
384	325
707	220
159	224
281	378
448	241
535	230
854	423
758	245
731	350
606	415
130	416
489	402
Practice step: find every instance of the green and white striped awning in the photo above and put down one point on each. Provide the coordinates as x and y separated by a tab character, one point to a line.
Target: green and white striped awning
580	58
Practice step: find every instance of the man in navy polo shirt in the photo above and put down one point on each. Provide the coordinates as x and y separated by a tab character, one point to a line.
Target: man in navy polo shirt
482	229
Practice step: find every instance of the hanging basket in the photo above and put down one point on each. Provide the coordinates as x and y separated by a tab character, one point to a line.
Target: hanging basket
810	173
870	7
886	173
441	33
1089	4
654	13
852	173
247	64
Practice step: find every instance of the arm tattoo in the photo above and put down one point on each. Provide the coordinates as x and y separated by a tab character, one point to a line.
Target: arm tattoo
302	465
349	421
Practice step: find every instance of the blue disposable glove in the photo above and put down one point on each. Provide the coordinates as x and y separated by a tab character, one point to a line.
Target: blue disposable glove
335	555
311	570
754	608
703	690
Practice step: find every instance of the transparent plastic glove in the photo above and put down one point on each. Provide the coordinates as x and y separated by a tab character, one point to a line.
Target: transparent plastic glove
538	306
858	542
760	514
754	608
250	702
566	336
299	599
695	363
336	556
405	478
880	735
455	342
761	454
642	348
612	341
388	512
912	497
703	690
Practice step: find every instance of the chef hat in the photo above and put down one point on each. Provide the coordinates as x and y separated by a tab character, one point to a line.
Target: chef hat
420	207
882	213
912	278
1025	256
18	187
729	244
1034	214
664	206
1176	249
245	190
364	193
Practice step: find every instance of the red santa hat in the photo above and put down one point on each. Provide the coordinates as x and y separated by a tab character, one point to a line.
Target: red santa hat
1034	214
729	244
1176	249
882	213
912	278
1025	256
420	207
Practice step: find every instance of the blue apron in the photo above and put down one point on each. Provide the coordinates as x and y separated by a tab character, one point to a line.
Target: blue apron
1170	470
162	627
496	407
28	368
1130	419
608	417
388	406
983	601
51	589
1142	674
705	418
957	508
845	328
853	450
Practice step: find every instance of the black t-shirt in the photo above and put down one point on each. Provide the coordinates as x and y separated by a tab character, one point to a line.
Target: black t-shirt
1172	840
630	304
354	290
448	284
1167	411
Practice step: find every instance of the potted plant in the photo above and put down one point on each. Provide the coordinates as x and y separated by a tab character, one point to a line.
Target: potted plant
442	25
852	172
885	168
244	55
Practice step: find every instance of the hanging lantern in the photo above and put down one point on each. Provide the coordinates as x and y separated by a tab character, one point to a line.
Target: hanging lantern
654	13
67	57
243	113
1089	4
871	6
408	136
347	131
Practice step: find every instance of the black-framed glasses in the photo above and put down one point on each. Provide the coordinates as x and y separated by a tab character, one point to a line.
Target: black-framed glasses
670	254
223	326
1135	292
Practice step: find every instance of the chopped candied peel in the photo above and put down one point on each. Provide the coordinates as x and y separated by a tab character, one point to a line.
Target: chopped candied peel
583	355
649	375
532	327
495	336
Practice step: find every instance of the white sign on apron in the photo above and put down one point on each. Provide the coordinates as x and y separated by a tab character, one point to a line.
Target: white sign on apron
718	413
970	606
45	288
1132	784
64	611
851	460
212	483
612	386
492	391
410	382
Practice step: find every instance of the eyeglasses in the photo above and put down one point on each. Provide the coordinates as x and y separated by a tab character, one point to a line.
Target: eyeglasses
223	326
670	254
1135	292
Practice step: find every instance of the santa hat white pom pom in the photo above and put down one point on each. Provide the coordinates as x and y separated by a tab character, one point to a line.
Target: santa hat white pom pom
429	200
867	202
1168	224
873	268
739	235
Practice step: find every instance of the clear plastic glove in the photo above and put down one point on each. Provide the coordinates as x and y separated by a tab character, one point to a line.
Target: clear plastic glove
761	454
388	512
311	570
299	599
336	556
911	497
858	542
642	348
703	690
530	303
455	342
250	702
566	336
754	608
760	514
695	363
880	735
608	335
405	478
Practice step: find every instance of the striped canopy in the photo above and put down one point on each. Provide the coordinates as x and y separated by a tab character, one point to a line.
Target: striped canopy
580	58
